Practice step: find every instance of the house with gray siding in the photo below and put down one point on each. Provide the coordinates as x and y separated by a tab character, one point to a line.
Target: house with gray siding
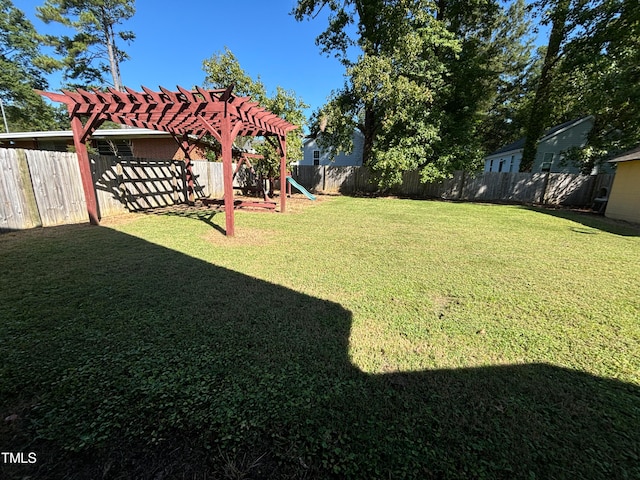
505	159
551	149
313	154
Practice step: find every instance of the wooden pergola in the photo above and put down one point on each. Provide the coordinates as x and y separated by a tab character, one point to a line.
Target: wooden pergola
184	114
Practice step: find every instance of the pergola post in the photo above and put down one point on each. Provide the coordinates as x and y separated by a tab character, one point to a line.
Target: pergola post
226	144
188	166
282	142
85	170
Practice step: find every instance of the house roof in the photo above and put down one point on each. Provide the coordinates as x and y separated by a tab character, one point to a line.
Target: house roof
311	137
517	145
627	156
553	131
558	129
68	134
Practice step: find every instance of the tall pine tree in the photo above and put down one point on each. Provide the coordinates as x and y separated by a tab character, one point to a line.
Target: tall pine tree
94	50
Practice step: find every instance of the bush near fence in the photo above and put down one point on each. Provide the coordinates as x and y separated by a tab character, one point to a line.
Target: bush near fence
528	188
44	188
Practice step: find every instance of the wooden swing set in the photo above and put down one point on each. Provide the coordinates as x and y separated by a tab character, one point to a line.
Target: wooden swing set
184	114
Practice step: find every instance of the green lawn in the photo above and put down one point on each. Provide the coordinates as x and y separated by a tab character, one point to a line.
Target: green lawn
349	338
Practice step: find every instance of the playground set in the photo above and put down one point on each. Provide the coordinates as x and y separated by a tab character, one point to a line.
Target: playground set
186	115
256	184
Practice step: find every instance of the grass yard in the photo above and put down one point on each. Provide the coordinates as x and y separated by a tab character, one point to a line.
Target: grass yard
351	338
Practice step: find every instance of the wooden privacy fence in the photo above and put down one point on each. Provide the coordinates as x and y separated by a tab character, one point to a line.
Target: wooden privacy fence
44	188
39	189
543	188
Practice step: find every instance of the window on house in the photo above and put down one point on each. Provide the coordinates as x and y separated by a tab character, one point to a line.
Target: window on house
547	162
53	145
316	157
114	148
500	165
511	164
491	166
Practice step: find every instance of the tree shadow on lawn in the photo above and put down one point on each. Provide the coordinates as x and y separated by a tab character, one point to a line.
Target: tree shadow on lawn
591	222
124	359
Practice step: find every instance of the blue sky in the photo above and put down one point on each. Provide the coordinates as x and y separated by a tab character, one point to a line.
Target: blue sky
174	37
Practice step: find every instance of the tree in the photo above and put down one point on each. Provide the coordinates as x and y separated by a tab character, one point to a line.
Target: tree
591	68
390	88
493	76
558	14
485	80
22	69
223	70
427	80
95	42
603	61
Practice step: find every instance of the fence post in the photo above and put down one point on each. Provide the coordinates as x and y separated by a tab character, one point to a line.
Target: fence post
545	186
324	178
462	180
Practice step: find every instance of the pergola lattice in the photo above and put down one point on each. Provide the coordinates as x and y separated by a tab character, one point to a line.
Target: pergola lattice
183	114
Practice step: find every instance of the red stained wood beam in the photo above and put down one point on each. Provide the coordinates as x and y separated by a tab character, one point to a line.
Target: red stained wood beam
226	95
226	145
85	171
55	97
91	126
250	204
282	142
211	129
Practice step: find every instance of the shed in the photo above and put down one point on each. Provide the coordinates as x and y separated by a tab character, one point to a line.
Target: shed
624	199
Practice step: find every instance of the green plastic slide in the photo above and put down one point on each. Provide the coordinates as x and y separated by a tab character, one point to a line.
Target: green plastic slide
304	191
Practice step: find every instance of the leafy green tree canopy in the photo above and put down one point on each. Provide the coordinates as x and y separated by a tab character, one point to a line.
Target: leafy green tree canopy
223	70
433	77
93	51
390	88
602	62
22	69
590	68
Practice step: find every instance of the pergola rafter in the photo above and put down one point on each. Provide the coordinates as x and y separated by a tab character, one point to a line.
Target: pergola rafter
182	114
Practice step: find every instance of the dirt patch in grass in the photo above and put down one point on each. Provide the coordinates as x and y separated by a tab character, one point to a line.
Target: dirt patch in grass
243	237
442	304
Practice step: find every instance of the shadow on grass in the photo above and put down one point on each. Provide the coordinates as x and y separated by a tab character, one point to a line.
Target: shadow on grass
185	211
591	223
124	359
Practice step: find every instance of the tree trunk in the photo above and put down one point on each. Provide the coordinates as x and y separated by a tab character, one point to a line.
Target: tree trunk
540	109
111	52
368	131
440	6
